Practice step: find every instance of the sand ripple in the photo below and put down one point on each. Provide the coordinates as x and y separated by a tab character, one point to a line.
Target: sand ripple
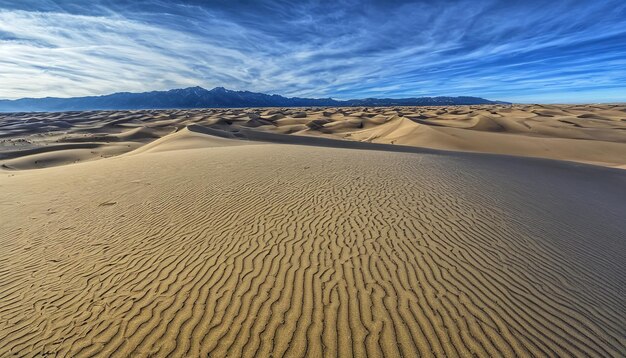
281	250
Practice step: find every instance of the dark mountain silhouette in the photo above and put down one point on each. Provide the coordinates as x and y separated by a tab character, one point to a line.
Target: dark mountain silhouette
219	97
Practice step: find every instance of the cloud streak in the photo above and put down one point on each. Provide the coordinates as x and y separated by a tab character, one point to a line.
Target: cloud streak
565	51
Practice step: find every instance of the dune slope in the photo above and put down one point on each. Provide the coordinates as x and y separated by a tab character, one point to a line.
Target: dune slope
287	250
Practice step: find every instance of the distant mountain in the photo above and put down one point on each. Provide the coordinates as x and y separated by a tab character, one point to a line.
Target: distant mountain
219	97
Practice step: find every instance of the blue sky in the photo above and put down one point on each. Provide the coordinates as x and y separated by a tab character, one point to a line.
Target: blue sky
520	51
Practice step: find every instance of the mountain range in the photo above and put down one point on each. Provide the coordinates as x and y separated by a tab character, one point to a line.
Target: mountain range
219	97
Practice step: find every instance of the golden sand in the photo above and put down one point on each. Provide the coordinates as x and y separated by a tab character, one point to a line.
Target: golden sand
196	244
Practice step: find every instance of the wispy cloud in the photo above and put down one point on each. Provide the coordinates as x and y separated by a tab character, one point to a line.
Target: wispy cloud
522	51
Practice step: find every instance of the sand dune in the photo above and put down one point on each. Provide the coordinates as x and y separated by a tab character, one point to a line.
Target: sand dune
594	134
224	239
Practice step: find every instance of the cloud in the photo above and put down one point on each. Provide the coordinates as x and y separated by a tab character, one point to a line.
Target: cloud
510	50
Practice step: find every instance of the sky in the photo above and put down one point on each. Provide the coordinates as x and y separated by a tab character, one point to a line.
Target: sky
519	51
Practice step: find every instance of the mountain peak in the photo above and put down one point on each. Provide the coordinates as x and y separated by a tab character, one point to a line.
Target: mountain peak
220	90
194	89
183	90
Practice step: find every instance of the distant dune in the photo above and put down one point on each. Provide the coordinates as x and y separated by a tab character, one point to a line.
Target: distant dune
314	232
594	134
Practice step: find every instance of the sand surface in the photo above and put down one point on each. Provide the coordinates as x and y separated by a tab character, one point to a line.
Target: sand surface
199	242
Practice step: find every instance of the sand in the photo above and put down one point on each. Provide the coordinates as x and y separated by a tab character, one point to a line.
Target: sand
223	239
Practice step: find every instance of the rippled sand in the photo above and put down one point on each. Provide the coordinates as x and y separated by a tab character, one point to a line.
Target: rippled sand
201	242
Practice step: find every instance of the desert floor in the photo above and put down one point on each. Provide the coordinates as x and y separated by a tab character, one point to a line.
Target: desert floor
314	232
